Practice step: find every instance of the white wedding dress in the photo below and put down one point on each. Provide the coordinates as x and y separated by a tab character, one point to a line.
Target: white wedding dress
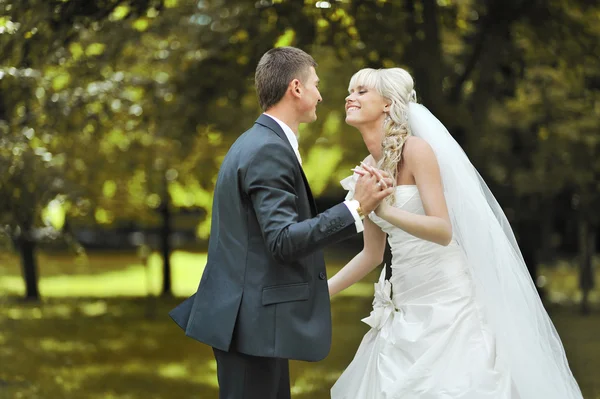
458	322
428	339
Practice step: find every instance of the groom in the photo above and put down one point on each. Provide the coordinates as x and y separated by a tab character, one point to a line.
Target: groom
263	297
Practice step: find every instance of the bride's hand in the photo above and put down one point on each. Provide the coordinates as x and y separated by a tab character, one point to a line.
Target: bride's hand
360	171
367	170
382	176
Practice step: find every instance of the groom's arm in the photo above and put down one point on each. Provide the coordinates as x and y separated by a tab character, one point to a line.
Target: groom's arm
270	184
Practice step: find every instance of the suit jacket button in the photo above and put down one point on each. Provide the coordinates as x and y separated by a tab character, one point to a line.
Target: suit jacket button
322	276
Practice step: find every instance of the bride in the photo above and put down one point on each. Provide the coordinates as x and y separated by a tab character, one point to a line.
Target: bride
460	317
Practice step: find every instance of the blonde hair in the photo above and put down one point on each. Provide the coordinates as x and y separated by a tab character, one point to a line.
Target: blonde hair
397	86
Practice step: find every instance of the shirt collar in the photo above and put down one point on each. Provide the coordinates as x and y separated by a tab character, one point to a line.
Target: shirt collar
289	134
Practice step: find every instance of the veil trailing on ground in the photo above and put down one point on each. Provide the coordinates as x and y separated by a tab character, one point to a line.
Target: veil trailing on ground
526	339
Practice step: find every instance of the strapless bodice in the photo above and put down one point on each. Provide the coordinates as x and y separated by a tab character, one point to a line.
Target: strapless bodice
407	249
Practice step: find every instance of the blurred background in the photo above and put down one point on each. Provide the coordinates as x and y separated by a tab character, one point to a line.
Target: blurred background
116	114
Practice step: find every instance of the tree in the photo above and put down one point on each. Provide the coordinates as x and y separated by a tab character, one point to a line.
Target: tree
549	143
118	78
130	106
34	154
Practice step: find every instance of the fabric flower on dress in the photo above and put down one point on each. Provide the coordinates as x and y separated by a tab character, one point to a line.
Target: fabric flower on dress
383	306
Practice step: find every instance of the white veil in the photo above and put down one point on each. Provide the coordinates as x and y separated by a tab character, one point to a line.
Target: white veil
526	339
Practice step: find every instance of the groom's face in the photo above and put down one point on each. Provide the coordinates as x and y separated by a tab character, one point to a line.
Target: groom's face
310	97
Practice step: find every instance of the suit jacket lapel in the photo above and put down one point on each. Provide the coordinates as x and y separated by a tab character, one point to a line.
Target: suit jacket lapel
269	123
313	205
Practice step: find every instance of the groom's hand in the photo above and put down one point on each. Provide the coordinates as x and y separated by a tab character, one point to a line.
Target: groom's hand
371	190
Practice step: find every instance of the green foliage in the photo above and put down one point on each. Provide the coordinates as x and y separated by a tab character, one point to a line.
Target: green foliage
557	106
109	111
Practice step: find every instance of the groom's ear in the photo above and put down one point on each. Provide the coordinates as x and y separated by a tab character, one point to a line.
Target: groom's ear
295	88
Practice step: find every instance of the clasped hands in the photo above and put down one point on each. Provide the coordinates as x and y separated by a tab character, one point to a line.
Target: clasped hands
372	187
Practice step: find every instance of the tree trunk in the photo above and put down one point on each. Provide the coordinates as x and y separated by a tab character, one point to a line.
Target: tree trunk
587	240
28	261
165	235
430	87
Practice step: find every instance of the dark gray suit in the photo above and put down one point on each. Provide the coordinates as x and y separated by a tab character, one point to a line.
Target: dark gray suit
264	289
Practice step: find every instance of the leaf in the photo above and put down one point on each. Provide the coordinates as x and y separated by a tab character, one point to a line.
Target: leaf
61	81
76	50
103	216
54	214
322	23
120	12
286	39
95	49
241	35
109	188
141	24
320	165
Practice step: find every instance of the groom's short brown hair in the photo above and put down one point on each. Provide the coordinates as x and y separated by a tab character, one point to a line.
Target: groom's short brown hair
276	69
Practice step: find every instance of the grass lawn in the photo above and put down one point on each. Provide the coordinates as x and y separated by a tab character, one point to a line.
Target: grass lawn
92	338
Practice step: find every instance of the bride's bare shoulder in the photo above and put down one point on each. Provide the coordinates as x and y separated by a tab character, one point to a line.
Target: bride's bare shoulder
417	153
415	147
415	143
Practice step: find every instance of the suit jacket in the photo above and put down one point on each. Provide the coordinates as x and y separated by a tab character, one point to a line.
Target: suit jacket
264	288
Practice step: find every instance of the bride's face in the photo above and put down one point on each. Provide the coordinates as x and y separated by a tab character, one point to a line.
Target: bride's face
365	106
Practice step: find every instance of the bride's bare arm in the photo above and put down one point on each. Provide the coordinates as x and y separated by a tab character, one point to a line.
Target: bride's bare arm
370	257
435	225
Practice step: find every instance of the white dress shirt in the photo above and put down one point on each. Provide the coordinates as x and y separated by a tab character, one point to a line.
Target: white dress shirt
291	136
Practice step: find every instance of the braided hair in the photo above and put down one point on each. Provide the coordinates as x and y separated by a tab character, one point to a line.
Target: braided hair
397	86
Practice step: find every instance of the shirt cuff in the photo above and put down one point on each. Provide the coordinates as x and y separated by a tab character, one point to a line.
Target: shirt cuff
352	207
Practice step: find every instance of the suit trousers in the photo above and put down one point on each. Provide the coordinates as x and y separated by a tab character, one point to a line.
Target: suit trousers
243	376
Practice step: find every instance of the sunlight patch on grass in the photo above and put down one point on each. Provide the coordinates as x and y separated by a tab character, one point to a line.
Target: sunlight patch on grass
111	395
133	279
313	379
12	285
174	370
113	274
24	313
94	308
58	310
187	271
135	367
55	345
208	375
204	373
